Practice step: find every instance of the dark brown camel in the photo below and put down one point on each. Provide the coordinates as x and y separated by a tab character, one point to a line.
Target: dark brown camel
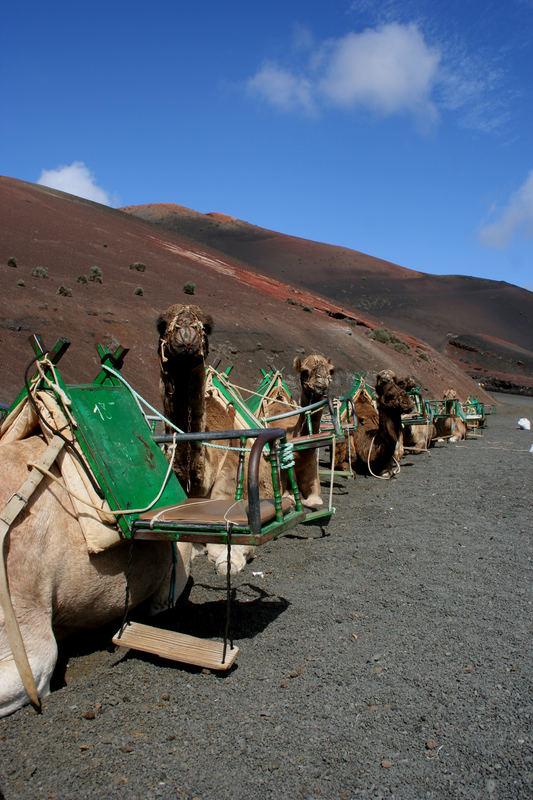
375	440
203	471
183	348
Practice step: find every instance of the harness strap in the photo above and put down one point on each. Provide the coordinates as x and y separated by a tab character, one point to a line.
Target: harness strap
14	506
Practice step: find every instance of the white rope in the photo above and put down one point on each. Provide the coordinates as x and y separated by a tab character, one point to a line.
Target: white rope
381	477
161	416
120	511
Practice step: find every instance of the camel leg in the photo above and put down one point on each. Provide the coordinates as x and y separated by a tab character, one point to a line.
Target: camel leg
41	647
159	600
306	468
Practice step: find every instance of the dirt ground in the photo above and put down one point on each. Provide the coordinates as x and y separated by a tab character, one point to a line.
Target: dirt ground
389	659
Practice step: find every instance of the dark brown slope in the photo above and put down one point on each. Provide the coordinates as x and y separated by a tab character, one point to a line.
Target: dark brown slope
441	310
254	324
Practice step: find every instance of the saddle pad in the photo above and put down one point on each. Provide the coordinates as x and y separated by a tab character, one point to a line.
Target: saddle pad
209	511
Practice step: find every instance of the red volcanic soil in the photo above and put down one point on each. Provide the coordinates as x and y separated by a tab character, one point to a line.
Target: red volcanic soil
255	326
436	309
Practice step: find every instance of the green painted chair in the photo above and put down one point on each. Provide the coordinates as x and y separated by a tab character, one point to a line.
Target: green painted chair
133	475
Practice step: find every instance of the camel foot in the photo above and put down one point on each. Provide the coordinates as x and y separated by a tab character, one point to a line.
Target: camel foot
289	496
314	501
239	557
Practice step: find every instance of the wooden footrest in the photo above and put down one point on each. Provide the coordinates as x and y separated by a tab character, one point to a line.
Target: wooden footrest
176	646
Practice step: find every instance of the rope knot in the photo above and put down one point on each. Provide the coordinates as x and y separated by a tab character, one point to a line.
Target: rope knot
286	455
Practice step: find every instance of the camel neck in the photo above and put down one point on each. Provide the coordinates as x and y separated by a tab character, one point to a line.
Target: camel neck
183	390
390	422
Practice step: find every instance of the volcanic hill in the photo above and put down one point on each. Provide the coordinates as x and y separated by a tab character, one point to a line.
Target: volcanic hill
483	325
70	267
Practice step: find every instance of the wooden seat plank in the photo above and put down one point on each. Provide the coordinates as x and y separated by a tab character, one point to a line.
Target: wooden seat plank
176	646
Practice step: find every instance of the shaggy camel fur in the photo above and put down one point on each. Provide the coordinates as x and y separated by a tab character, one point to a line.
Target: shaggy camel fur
316	373
202	471
55	585
376	440
183	348
450	428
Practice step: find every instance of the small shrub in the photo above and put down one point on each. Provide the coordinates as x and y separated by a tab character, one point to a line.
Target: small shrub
12	261
381	335
189	287
308	308
401	347
82	279
64	291
139	290
21	283
95	275
40	272
138	265
422	354
104	244
291	301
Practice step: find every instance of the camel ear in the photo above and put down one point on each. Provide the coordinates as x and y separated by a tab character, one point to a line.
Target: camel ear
207	322
162	323
297	364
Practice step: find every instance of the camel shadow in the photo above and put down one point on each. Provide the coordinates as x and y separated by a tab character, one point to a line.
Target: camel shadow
252	610
207	619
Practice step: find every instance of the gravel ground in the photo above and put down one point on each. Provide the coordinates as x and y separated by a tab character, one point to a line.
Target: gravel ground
389	659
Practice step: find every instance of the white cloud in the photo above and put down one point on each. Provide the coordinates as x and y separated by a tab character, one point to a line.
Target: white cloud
77	179
282	89
514	220
390	69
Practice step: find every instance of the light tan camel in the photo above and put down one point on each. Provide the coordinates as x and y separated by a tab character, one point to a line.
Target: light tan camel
416	437
55	585
316	373
451	428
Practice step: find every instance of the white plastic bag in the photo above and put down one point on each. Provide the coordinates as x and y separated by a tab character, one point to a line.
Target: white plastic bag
524	424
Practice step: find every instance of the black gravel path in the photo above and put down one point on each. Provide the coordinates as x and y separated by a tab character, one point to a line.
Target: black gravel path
389	659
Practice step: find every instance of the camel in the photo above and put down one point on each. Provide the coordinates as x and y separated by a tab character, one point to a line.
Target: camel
202	471
316	373
183	349
362	408
56	587
417	438
451	428
377	433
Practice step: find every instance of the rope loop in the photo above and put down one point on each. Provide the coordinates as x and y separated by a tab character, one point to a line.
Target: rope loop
286	455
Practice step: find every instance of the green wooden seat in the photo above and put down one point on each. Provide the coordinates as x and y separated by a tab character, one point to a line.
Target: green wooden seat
132	472
324	438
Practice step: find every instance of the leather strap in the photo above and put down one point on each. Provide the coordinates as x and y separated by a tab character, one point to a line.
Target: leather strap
16	503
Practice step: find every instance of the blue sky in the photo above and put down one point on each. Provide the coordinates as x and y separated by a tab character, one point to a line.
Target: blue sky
401	129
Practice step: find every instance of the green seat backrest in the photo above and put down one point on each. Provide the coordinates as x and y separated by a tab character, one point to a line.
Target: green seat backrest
118	444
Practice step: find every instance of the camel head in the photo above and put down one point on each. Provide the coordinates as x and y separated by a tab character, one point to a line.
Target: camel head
391	394
408	383
449	394
183	332
316	373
